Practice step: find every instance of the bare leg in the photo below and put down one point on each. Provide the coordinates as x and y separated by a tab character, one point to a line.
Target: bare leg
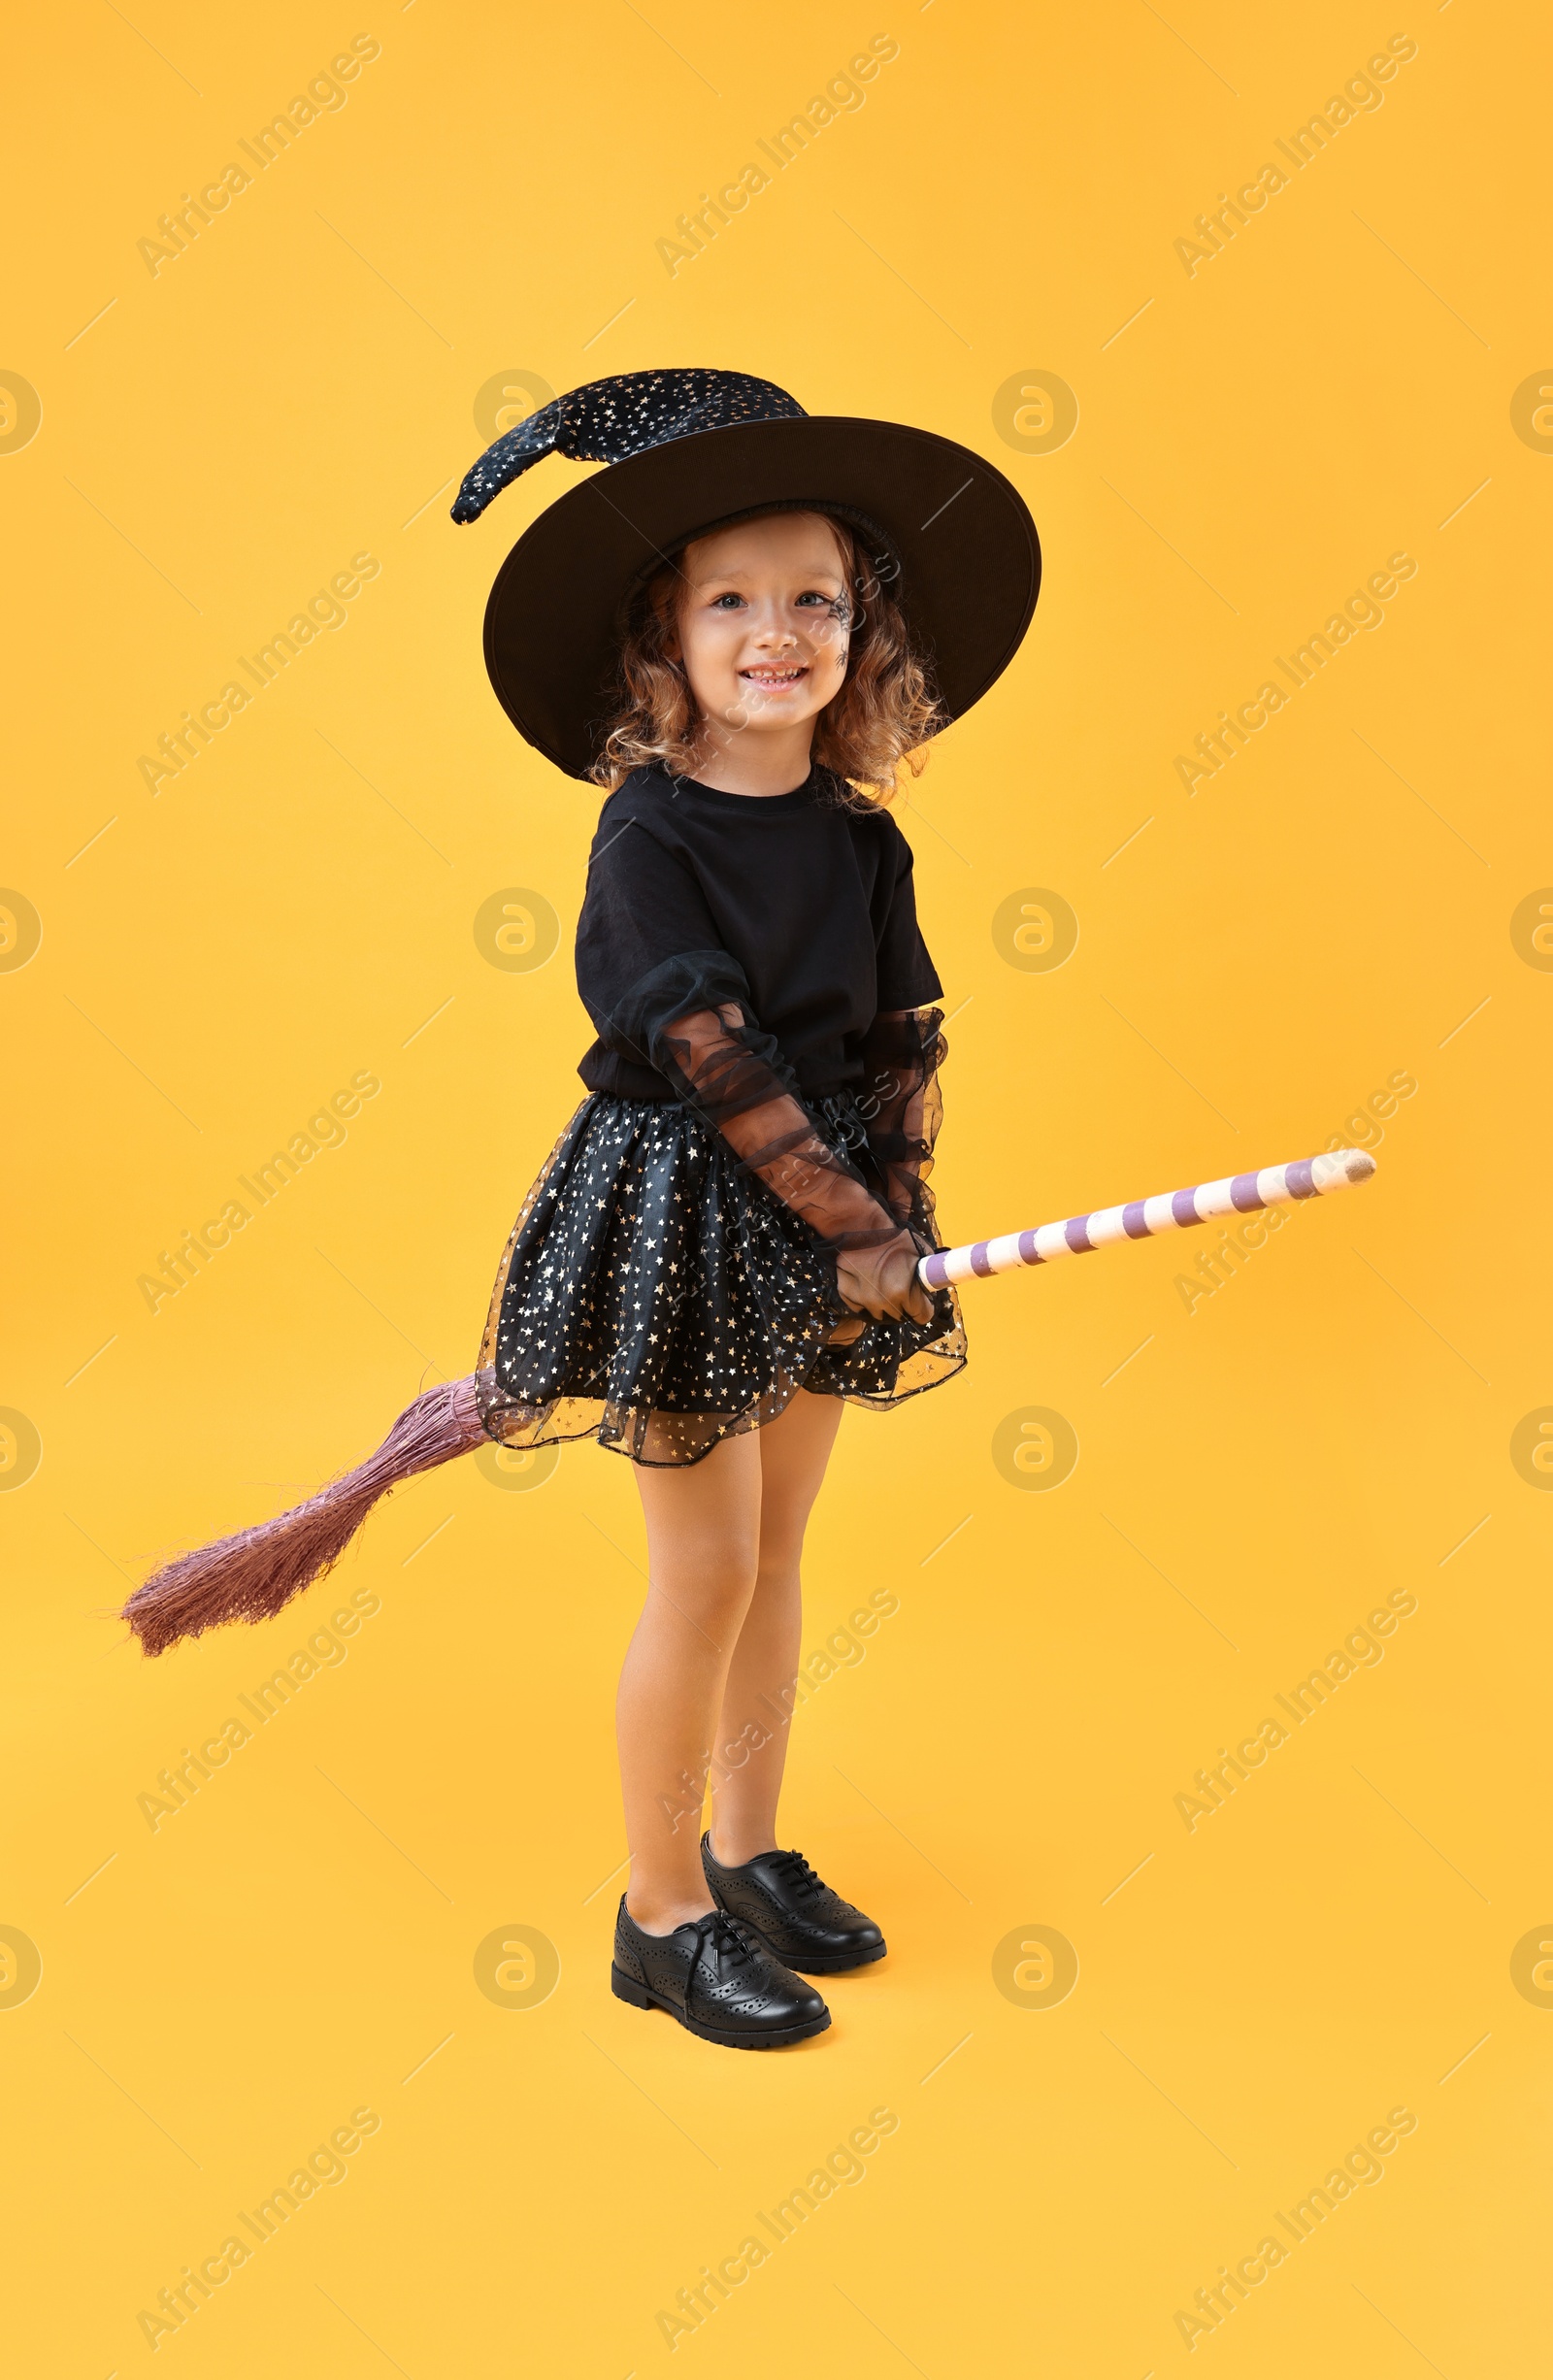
751	1745
702	1551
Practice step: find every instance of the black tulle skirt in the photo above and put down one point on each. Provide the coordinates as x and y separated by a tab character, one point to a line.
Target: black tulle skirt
658	1298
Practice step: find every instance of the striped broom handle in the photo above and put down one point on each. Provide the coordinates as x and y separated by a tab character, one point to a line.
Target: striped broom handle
1277	1185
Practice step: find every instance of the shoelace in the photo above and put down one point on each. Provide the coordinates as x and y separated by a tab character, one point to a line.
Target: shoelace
798	1874
725	1940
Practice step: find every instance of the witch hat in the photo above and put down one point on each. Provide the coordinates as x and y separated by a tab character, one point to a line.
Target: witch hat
688	451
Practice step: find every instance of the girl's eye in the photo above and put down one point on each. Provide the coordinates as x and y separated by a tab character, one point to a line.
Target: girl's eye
814	595
721	603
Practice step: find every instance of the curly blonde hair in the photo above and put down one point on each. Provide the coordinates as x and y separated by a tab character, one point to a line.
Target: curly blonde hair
877	724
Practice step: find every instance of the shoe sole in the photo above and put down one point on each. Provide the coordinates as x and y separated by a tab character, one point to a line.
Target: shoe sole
829	1967
638	1995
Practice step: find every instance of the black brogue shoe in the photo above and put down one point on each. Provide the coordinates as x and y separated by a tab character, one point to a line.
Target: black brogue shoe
718	1978
795	1913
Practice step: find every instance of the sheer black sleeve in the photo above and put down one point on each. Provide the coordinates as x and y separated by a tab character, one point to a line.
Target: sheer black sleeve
901	1107
690	1018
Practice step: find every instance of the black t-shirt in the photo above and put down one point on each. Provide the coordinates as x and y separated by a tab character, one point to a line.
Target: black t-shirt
813	901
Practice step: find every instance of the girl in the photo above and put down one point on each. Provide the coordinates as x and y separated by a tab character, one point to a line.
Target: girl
743	628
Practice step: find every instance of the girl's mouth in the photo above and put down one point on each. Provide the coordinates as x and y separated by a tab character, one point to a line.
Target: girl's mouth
775	679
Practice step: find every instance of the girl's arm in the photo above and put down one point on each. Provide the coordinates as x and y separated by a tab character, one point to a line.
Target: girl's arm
690	1017
708	1057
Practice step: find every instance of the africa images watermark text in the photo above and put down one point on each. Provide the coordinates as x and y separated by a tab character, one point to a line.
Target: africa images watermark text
183	1265
1362	2165
1223	1258
175	1787
1361	1648
1360	95
844	2168
183	744
1218	746
699	226
326	2167
183	225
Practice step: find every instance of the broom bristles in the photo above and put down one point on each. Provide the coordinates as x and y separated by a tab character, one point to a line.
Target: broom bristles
256	1574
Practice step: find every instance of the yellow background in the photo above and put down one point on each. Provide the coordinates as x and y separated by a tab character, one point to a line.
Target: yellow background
1330	1427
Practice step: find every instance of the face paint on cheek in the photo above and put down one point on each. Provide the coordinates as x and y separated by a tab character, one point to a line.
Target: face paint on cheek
842	619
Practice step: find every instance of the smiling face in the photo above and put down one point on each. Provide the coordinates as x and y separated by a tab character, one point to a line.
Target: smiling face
761	629
758	650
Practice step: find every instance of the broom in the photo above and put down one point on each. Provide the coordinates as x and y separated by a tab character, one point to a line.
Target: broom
255	1574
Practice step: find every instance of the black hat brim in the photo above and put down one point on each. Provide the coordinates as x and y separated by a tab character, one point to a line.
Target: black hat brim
969	553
